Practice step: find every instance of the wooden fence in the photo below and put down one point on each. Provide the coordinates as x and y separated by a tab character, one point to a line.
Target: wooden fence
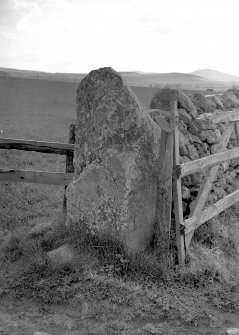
42	177
198	215
170	179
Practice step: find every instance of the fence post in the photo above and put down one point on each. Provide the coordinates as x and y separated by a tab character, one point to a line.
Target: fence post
69	159
164	205
177	190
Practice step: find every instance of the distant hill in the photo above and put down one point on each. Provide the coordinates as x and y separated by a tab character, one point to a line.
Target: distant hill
216	75
177	80
181	81
30	74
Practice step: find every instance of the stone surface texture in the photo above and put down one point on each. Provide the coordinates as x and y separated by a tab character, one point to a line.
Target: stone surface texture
116	160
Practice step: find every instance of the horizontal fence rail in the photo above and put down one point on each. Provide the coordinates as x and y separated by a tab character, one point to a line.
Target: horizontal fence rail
36	177
212	210
40	177
197	165
38	146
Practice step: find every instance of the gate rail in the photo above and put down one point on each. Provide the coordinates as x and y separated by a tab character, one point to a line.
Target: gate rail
42	177
199	215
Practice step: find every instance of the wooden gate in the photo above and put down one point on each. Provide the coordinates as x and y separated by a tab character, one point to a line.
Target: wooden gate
199	215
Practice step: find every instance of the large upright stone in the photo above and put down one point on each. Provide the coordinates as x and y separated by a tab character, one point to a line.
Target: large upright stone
114	192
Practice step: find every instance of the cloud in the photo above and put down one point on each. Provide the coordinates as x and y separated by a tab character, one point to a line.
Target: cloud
8	16
152	35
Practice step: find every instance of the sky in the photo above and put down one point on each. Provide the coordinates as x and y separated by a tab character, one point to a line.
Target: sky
129	35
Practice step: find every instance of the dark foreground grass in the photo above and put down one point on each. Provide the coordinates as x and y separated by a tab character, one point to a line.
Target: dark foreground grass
103	273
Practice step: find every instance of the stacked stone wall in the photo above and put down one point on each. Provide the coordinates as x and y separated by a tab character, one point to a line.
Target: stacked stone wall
200	137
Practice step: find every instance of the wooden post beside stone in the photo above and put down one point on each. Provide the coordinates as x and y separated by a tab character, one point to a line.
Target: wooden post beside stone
164	205
69	159
177	189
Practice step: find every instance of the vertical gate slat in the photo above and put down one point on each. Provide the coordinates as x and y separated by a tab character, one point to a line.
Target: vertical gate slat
177	190
164	205
69	160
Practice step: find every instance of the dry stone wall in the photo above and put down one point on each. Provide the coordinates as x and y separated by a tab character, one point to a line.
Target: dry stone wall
200	137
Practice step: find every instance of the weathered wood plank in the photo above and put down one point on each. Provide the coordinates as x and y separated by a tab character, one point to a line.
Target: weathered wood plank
69	161
70	154
208	182
205	162
164	200
237	132
38	177
177	189
39	146
221	117
194	222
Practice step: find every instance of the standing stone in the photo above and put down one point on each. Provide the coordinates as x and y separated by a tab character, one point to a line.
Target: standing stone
116	160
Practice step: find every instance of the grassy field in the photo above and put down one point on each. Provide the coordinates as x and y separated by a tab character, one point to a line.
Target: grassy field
144	299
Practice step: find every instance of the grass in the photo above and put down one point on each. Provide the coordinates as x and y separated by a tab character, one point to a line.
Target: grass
102	272
137	296
141	285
